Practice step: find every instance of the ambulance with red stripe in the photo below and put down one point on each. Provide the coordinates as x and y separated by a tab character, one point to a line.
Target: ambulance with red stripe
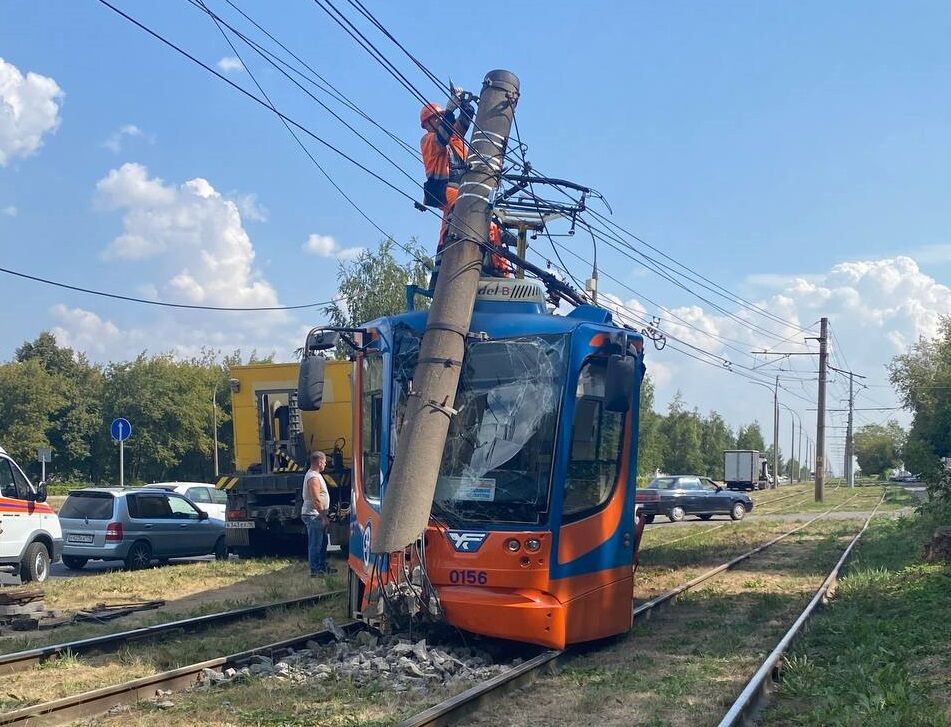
30	536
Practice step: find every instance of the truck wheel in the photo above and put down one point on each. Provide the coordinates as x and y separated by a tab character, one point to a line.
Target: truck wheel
649	518
36	563
676	514
738	511
139	557
74	563
221	549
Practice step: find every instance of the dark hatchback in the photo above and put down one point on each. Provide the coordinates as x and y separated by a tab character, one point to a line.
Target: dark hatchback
677	496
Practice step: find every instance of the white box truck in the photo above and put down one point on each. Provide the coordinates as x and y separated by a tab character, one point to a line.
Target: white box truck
746	469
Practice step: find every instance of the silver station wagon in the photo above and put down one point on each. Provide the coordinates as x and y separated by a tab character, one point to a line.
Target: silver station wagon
136	527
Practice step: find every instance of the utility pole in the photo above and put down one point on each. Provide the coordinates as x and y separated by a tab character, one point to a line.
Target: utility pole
821	406
792	444
214	424
776	433
849	472
412	481
849	477
799	455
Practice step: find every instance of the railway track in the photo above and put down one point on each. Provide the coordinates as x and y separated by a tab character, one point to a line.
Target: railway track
454	709
20	660
767	676
803	495
450	711
98	701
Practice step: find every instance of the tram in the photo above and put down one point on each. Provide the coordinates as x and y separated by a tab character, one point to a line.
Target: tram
532	531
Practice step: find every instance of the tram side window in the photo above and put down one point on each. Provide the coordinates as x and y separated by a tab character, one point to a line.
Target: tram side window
596	443
371	410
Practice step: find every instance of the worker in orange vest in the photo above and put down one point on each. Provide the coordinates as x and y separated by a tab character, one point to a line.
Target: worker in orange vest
444	150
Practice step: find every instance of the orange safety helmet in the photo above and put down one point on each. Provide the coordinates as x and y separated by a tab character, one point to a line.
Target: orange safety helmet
428	111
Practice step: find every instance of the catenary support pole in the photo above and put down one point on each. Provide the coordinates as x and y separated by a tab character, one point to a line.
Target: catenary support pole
214	425
821	409
792	444
849	476
411	485
776	433
799	455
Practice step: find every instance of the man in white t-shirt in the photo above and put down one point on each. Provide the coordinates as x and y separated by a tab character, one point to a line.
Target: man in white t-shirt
315	513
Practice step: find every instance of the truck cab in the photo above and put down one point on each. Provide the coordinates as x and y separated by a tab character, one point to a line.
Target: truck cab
30	536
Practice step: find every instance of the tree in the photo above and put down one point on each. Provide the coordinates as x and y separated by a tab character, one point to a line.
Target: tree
28	399
681	431
715	438
750	437
923	380
169	405
650	455
878	448
768	454
78	420
374	285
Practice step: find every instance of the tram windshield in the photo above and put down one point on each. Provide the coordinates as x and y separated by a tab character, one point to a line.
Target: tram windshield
497	463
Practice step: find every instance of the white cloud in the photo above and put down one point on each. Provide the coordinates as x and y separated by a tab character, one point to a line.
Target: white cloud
131	131
82	330
327	246
29	109
230	63
250	207
933	254
182	243
193	233
9	211
877	308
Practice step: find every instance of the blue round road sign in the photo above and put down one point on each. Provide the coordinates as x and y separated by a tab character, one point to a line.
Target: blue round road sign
120	429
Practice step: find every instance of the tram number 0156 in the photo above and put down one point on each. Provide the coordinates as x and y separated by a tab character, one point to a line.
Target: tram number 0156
468	577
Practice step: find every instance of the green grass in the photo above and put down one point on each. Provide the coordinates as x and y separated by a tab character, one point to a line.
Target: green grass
880	653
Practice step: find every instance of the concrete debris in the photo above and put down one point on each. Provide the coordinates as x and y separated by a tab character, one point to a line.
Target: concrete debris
166	704
331	626
366	658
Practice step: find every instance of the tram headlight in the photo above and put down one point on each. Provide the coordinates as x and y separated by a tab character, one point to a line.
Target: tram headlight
512	545
532	545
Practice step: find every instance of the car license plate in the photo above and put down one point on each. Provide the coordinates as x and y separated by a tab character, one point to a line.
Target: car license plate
240	524
77	538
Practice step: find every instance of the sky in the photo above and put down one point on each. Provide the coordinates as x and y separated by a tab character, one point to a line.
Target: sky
796	154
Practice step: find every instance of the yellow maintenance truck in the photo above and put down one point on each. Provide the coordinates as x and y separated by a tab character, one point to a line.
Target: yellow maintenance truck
272	442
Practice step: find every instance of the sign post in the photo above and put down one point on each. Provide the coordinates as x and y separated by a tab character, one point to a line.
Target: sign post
121	430
44	455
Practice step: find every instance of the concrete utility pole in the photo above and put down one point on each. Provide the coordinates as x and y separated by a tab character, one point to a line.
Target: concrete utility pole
799	455
821	406
412	482
792	443
214	424
776	433
849	477
849	471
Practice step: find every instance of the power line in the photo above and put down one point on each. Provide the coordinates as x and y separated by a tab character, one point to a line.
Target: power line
322	83
163	304
256	99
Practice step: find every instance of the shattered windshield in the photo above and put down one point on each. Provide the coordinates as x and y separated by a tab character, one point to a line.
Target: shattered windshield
496	466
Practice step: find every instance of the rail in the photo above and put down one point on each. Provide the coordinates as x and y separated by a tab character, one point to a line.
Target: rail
95	702
452	710
19	660
755	692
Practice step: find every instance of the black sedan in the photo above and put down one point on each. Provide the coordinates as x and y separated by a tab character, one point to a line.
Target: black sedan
677	496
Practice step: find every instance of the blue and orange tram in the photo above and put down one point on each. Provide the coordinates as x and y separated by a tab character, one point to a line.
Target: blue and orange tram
532	531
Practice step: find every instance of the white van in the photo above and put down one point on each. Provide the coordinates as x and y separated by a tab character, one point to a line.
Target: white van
30	536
